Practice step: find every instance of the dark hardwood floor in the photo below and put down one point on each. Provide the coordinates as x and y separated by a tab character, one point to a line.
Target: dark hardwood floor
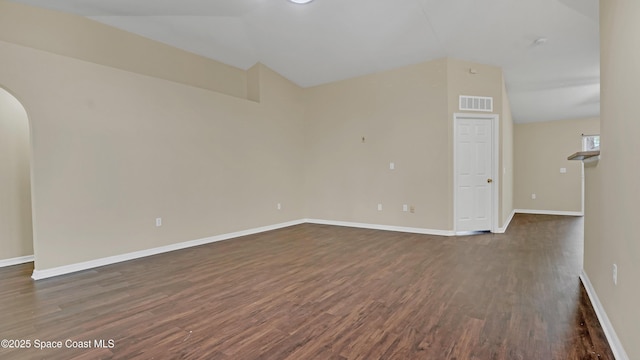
322	292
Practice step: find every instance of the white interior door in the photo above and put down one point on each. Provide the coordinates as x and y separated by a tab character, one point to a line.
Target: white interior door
474	173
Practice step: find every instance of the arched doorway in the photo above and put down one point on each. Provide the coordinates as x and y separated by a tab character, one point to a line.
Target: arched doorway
16	228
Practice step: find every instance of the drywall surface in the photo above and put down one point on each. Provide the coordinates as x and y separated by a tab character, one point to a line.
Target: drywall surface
16	238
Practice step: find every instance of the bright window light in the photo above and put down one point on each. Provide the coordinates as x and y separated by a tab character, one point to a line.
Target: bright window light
590	142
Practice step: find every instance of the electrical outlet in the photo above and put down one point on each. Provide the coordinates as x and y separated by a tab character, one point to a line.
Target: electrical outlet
392	166
615	274
158	222
412	209
533	196
563	170
279	206
405	207
379	207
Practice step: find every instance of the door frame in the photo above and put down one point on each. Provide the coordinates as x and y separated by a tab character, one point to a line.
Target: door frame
495	162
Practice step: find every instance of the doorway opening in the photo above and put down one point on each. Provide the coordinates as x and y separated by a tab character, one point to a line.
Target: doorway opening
16	226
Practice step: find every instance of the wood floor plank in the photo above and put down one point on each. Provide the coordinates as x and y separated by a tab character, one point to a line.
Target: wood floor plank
323	292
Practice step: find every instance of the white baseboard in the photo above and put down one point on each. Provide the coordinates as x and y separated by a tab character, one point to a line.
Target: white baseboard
503	229
382	227
610	333
549	212
67	269
16	261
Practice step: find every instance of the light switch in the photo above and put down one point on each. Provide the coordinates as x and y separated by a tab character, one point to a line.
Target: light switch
392	166
563	170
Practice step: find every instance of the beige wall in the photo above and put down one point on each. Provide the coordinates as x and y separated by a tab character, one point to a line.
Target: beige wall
506	159
612	210
81	38
113	150
15	184
406	117
541	149
487	81
403	116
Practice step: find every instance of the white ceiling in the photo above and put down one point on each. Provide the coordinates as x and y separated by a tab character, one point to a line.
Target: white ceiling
329	40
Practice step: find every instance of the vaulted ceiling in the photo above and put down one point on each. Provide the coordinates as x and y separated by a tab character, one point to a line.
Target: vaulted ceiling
554	78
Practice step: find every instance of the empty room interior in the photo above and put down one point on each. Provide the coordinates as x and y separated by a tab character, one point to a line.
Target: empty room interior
325	179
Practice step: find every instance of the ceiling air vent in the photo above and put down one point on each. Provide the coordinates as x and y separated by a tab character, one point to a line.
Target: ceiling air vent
476	103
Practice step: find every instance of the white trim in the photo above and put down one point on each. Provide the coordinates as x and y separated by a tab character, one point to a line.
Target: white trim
496	172
593	159
503	229
382	227
16	261
582	187
468	233
495	150
549	212
67	269
609	331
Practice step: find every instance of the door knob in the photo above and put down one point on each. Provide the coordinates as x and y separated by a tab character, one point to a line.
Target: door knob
489	181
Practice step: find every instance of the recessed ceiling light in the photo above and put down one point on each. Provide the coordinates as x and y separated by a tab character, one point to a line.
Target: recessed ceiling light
301	1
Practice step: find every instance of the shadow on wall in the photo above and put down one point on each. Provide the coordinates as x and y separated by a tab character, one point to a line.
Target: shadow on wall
16	228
